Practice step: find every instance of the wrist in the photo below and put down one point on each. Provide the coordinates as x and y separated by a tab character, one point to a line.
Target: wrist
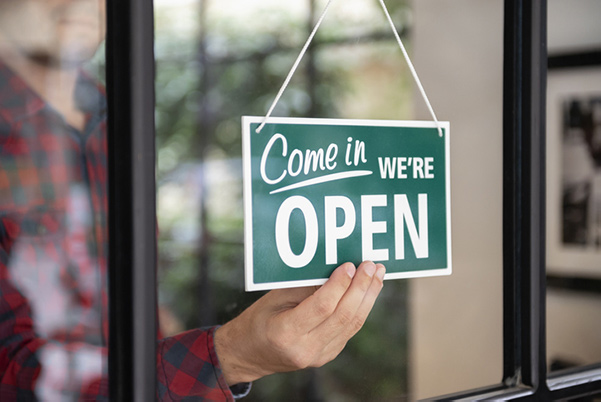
230	347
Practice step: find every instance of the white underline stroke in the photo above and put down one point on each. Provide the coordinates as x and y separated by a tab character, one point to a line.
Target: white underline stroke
324	179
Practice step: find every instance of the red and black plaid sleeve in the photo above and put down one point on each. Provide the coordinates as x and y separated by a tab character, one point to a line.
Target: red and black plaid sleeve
187	366
19	367
53	256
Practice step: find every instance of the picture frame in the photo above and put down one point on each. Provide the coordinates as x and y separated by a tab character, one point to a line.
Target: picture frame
574	167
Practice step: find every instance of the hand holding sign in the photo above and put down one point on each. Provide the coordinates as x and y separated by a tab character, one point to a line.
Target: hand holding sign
287	330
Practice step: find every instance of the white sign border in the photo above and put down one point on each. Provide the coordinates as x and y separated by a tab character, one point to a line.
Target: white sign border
250	285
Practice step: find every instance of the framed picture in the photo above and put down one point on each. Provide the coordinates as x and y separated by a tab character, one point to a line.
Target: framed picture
574	166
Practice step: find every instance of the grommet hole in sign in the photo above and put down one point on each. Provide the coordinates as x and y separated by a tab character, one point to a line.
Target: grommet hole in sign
321	192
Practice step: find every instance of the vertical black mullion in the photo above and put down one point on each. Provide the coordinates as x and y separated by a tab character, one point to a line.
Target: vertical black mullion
132	212
524	192
536	21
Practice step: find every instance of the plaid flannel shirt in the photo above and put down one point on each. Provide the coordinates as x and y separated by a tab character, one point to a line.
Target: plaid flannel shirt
53	260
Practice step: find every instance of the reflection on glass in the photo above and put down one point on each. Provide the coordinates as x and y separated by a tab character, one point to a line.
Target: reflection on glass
573	300
581	172
53	237
217	61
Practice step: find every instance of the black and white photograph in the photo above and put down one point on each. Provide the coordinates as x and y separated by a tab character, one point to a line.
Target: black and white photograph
581	172
574	172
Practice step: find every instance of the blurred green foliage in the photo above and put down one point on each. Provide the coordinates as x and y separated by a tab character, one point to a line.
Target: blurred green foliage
208	75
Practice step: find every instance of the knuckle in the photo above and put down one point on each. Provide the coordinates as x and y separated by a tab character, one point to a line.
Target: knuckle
345	318
324	307
323	360
330	355
278	340
356	324
366	282
300	359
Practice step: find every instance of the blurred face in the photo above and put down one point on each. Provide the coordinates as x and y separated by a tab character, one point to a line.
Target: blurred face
54	32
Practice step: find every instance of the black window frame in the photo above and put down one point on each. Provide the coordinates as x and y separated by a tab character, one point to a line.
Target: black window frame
132	200
132	211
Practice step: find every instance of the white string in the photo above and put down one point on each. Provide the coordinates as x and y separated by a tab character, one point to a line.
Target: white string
411	68
304	49
294	67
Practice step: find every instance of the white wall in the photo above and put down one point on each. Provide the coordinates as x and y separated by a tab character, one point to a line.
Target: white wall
456	337
574	24
456	322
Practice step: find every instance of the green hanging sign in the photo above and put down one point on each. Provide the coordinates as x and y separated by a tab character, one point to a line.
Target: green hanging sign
321	192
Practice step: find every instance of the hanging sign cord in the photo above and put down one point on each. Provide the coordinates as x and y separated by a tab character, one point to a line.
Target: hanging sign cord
304	50
411	68
294	67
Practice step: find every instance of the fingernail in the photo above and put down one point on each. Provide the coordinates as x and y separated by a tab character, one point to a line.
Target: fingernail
350	270
380	272
370	269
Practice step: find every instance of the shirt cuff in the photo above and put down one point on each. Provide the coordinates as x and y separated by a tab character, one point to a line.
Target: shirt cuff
239	391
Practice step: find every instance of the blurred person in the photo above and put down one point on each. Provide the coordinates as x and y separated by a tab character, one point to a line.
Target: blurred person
53	240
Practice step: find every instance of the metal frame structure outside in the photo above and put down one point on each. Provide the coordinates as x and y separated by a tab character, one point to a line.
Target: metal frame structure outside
132	220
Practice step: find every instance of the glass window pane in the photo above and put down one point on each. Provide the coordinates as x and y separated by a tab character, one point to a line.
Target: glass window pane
218	61
457	321
573	189
53	209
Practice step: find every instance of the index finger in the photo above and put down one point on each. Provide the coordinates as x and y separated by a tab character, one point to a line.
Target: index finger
316	308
